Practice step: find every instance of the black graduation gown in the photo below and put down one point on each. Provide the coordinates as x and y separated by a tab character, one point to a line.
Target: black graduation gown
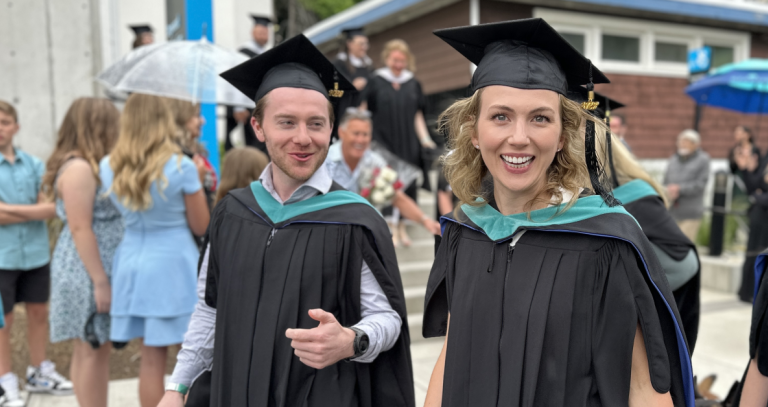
758	331
757	241
660	229
349	99
249	135
394	112
265	275
552	321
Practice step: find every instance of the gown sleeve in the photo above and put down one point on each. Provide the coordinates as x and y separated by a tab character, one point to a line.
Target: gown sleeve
437	302
211	283
758	335
620	291
368	94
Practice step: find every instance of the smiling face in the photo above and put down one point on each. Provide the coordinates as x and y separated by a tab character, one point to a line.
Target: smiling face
397	61
358	45
296	128
518	133
355	139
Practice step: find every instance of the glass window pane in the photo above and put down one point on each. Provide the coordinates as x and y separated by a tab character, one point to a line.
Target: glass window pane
721	55
621	48
576	40
668	52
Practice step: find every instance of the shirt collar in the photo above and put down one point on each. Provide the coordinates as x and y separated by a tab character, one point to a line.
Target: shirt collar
319	183
18	156
335	155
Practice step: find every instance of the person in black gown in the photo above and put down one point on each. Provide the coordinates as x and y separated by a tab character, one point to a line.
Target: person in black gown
292	250
237	115
753	171
396	100
645	200
547	295
354	63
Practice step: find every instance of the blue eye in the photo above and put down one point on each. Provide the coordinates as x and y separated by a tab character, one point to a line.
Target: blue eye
541	119
501	117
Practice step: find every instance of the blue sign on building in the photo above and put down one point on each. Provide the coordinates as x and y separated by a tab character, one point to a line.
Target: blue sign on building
699	60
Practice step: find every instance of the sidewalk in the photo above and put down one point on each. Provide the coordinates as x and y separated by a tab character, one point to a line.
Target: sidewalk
723	349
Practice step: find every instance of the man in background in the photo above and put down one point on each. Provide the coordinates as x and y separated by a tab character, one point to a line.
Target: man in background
619	128
685	181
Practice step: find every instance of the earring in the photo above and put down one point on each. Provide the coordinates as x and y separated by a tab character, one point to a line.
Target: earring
477	146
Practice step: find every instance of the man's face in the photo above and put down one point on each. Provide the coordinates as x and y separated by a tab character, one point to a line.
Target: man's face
617	126
355	139
296	129
8	128
260	34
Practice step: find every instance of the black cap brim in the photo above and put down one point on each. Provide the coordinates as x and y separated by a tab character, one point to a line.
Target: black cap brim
140	29
261	19
249	77
471	42
350	33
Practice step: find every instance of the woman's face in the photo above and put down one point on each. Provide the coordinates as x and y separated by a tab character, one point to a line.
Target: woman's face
358	45
518	134
195	124
397	61
739	135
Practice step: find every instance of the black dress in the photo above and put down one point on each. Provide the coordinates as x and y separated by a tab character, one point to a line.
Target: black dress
551	321
757	189
642	202
249	135
267	268
394	114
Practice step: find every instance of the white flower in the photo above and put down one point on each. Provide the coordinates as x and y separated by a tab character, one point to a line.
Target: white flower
388	191
378	197
380	183
388	174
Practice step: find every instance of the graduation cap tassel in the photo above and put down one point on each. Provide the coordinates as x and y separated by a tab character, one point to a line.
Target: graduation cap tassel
596	173
609	144
590	104
335	92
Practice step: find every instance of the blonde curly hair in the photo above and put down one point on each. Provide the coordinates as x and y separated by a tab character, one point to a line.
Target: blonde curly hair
465	170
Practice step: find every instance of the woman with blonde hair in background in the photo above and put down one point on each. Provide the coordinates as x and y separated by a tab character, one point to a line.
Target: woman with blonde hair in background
82	261
241	167
397	104
157	189
530	255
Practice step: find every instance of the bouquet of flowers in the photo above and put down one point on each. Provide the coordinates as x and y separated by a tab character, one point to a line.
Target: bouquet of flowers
378	186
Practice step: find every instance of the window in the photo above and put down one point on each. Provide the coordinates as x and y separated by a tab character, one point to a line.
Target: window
721	55
669	52
576	40
619	48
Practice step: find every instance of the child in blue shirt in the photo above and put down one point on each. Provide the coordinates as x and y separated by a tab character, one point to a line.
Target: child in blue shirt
24	258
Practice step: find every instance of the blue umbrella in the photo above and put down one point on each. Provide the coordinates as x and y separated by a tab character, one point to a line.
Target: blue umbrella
741	86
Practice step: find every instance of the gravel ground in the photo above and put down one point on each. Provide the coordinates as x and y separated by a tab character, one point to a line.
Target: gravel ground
124	363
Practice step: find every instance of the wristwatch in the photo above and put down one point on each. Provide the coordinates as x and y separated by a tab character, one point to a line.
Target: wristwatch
177	387
361	342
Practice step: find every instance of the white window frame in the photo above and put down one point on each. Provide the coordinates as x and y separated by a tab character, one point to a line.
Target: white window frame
594	26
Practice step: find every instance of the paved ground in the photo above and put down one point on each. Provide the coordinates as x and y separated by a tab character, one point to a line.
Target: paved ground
722	349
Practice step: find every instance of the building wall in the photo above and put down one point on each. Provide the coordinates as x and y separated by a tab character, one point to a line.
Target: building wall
438	66
495	11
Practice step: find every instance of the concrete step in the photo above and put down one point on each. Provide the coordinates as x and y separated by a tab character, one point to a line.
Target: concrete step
414	299
415	274
414	325
420	250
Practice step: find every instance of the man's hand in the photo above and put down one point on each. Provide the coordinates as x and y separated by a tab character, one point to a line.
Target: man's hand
325	345
673	191
172	399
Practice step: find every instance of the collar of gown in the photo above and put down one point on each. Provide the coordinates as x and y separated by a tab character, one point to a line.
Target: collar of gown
318	184
387	74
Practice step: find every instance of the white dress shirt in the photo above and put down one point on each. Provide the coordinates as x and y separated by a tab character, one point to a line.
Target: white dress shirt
379	321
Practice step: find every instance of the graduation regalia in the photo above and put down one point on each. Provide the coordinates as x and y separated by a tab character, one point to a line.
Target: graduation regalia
270	263
644	204
545	323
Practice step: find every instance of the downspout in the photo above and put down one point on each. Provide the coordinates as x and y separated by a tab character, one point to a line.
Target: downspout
474	19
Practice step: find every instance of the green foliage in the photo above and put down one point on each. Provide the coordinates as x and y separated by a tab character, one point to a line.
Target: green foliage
731	226
326	8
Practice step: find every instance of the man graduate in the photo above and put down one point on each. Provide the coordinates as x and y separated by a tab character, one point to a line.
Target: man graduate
301	273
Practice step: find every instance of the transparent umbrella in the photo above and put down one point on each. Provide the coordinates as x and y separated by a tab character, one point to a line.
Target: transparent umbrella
187	70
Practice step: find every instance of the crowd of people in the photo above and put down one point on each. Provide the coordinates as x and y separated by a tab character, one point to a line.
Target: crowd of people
280	269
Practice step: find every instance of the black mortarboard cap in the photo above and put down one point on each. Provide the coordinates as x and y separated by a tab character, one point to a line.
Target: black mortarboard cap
580	94
140	29
261	19
523	54
295	63
350	33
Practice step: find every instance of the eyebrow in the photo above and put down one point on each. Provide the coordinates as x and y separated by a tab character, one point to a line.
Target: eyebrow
509	109
292	117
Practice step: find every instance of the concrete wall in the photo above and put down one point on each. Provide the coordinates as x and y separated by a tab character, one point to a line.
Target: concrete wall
50	52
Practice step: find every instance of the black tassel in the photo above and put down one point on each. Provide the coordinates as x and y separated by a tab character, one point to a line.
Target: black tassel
596	173
609	147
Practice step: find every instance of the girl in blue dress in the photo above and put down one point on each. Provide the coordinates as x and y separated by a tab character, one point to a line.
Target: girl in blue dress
158	192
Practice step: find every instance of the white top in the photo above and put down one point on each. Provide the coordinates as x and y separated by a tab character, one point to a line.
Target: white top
379	321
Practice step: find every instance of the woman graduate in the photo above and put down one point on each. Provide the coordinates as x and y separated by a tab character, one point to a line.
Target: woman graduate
545	298
644	199
754	390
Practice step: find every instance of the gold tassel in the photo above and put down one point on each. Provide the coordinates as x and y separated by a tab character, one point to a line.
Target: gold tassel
335	92
590	104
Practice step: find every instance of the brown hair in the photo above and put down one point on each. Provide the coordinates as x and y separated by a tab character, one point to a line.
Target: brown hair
183	111
402	46
464	167
241	167
261	106
8	109
144	147
89	131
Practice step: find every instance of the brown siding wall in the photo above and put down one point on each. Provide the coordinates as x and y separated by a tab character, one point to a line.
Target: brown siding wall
438	66
658	110
495	11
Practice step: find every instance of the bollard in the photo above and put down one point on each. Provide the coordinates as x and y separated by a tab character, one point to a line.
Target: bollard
717	227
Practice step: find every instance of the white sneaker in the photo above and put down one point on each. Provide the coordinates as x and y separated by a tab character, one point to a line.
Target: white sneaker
10	384
45	379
